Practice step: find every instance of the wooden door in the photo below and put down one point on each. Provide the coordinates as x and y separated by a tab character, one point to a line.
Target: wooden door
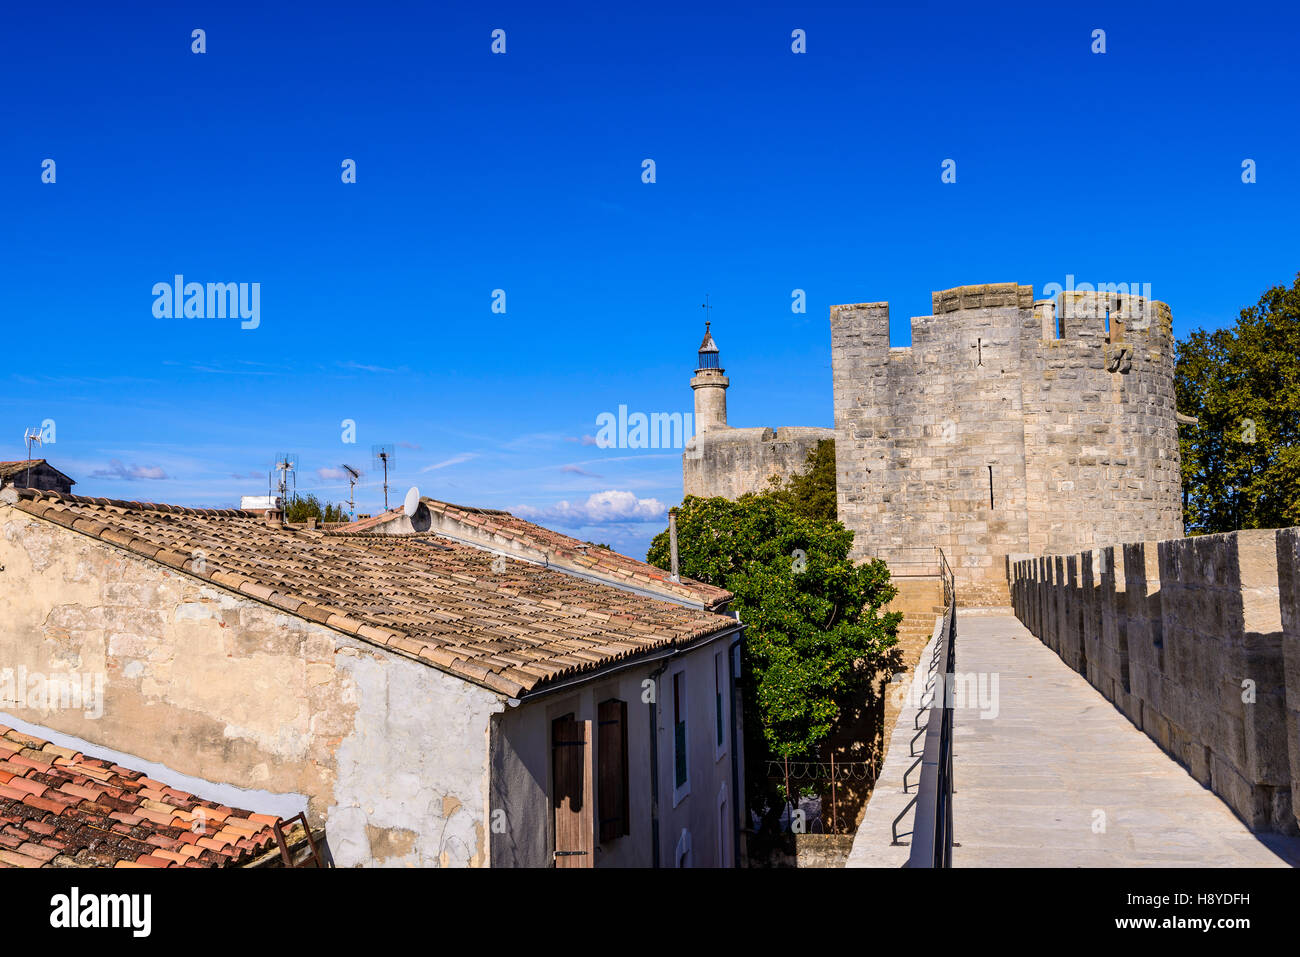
571	800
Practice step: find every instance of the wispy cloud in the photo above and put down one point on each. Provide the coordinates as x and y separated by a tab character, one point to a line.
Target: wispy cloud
362	367
610	507
454	460
574	470
331	474
116	470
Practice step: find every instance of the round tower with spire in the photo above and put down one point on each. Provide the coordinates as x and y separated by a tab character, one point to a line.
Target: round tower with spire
710	385
721	460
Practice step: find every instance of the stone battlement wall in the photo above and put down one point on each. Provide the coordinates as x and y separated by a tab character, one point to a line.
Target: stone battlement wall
1000	430
1197	642
730	462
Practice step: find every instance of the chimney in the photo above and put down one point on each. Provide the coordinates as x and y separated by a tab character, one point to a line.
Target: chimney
273	517
672	541
311	523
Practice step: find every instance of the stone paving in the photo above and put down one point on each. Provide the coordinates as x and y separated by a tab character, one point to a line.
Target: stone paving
1059	778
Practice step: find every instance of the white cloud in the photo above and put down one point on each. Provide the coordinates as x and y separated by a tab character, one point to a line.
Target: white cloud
116	470
603	508
329	473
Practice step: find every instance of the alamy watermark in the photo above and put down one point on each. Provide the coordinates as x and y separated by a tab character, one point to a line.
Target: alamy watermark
69	691
1101	296
74	909
966	690
639	430
215	300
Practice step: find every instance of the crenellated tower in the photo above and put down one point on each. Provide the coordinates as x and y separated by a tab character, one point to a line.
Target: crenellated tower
1007	426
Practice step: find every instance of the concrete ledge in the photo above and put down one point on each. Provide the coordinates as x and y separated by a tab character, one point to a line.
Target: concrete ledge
872	845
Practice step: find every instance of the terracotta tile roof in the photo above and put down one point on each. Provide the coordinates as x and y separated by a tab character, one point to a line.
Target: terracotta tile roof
423	596
506	530
60	808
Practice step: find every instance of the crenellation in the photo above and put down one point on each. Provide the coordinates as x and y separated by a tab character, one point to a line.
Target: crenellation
989	296
1193	639
1013	413
1008	423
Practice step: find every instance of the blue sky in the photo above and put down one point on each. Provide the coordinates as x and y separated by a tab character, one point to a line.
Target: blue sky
523	172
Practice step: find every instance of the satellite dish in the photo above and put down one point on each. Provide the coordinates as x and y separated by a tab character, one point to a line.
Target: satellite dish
412	503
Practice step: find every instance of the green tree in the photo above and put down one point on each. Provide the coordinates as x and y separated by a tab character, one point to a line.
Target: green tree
812	492
303	507
815	637
1241	461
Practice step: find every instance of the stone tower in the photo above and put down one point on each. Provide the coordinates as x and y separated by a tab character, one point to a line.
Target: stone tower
726	462
710	385
1005	428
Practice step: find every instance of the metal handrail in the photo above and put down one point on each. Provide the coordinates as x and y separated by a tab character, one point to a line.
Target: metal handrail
932	826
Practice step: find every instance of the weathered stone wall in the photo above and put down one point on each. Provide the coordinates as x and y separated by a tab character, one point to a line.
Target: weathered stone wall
1288	566
989	435
728	462
389	754
1100	428
1196	641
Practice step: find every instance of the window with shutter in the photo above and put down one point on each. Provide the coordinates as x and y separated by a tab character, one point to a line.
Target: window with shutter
717	695
679	730
611	748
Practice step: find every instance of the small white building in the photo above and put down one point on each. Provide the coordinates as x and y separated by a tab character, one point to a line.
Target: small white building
259	503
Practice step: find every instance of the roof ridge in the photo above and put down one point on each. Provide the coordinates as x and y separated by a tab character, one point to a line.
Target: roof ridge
261	588
102	502
403	615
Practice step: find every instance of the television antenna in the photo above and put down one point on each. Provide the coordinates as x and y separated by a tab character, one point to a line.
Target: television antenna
382	458
353	476
31	436
286	463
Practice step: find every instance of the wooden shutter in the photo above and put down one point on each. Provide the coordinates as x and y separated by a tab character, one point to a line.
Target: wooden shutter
611	749
571	779
717	692
679	730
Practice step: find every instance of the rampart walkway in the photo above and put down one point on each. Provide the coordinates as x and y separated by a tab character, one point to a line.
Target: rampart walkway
1057	777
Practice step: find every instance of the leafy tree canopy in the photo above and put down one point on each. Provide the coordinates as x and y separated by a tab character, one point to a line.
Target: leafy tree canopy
307	506
815	636
811	492
1241	462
